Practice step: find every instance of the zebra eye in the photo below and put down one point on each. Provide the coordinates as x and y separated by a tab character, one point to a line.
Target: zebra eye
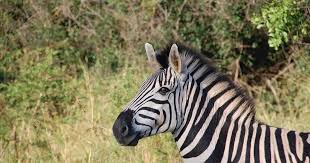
163	90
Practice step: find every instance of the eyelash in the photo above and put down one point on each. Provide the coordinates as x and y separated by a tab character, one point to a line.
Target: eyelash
163	90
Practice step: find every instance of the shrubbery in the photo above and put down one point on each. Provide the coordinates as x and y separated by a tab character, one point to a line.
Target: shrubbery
36	90
285	21
47	48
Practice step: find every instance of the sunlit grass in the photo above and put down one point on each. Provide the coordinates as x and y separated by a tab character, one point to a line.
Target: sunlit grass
90	138
87	58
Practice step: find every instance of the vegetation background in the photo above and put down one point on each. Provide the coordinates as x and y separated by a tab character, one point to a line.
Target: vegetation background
67	68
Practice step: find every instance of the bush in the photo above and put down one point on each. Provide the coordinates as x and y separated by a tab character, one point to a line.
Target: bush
36	90
222	30
285	21
63	60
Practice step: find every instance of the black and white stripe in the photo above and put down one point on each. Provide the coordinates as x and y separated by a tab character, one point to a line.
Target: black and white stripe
211	119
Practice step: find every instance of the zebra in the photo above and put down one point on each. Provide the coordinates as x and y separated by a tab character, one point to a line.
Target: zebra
210	117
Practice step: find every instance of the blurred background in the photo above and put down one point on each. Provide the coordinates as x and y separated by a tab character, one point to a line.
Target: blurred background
67	68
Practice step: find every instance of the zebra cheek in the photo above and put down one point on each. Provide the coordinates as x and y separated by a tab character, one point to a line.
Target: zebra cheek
160	120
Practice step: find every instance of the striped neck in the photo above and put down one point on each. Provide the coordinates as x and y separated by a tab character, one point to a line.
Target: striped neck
218	123
210	102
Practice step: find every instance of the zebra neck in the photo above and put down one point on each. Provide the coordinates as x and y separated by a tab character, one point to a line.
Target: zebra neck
243	141
272	144
218	124
201	141
209	110
210	102
208	93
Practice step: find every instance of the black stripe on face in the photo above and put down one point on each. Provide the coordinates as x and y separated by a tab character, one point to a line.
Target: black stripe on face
159	101
177	101
147	117
141	124
143	91
170	76
164	120
143	101
166	77
162	78
170	117
149	109
141	98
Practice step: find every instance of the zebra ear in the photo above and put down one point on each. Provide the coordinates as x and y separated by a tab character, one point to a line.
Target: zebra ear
151	55
175	59
176	63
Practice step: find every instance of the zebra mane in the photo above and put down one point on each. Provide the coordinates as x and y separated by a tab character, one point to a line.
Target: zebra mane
200	67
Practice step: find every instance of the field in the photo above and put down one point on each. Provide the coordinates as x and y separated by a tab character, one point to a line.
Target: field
67	68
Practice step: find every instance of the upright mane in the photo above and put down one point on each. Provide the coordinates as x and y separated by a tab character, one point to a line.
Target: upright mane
203	71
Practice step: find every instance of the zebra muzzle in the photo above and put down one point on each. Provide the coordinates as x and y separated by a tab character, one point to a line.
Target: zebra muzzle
122	129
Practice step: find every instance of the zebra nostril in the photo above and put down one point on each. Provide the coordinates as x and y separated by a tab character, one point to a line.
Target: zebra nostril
124	130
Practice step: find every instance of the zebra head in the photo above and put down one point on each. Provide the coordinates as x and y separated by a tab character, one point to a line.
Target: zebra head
156	107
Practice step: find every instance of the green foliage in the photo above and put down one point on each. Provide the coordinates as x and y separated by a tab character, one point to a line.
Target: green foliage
220	29
285	21
37	92
67	68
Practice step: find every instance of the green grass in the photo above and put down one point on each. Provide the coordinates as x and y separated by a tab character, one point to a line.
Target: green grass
67	69
289	105
90	139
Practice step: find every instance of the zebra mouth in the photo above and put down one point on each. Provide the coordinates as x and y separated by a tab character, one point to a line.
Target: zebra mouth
134	142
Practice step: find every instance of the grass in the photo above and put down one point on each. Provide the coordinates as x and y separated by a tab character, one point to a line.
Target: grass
90	139
287	106
67	69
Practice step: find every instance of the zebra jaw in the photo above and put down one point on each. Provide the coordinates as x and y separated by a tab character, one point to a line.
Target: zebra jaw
123	131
